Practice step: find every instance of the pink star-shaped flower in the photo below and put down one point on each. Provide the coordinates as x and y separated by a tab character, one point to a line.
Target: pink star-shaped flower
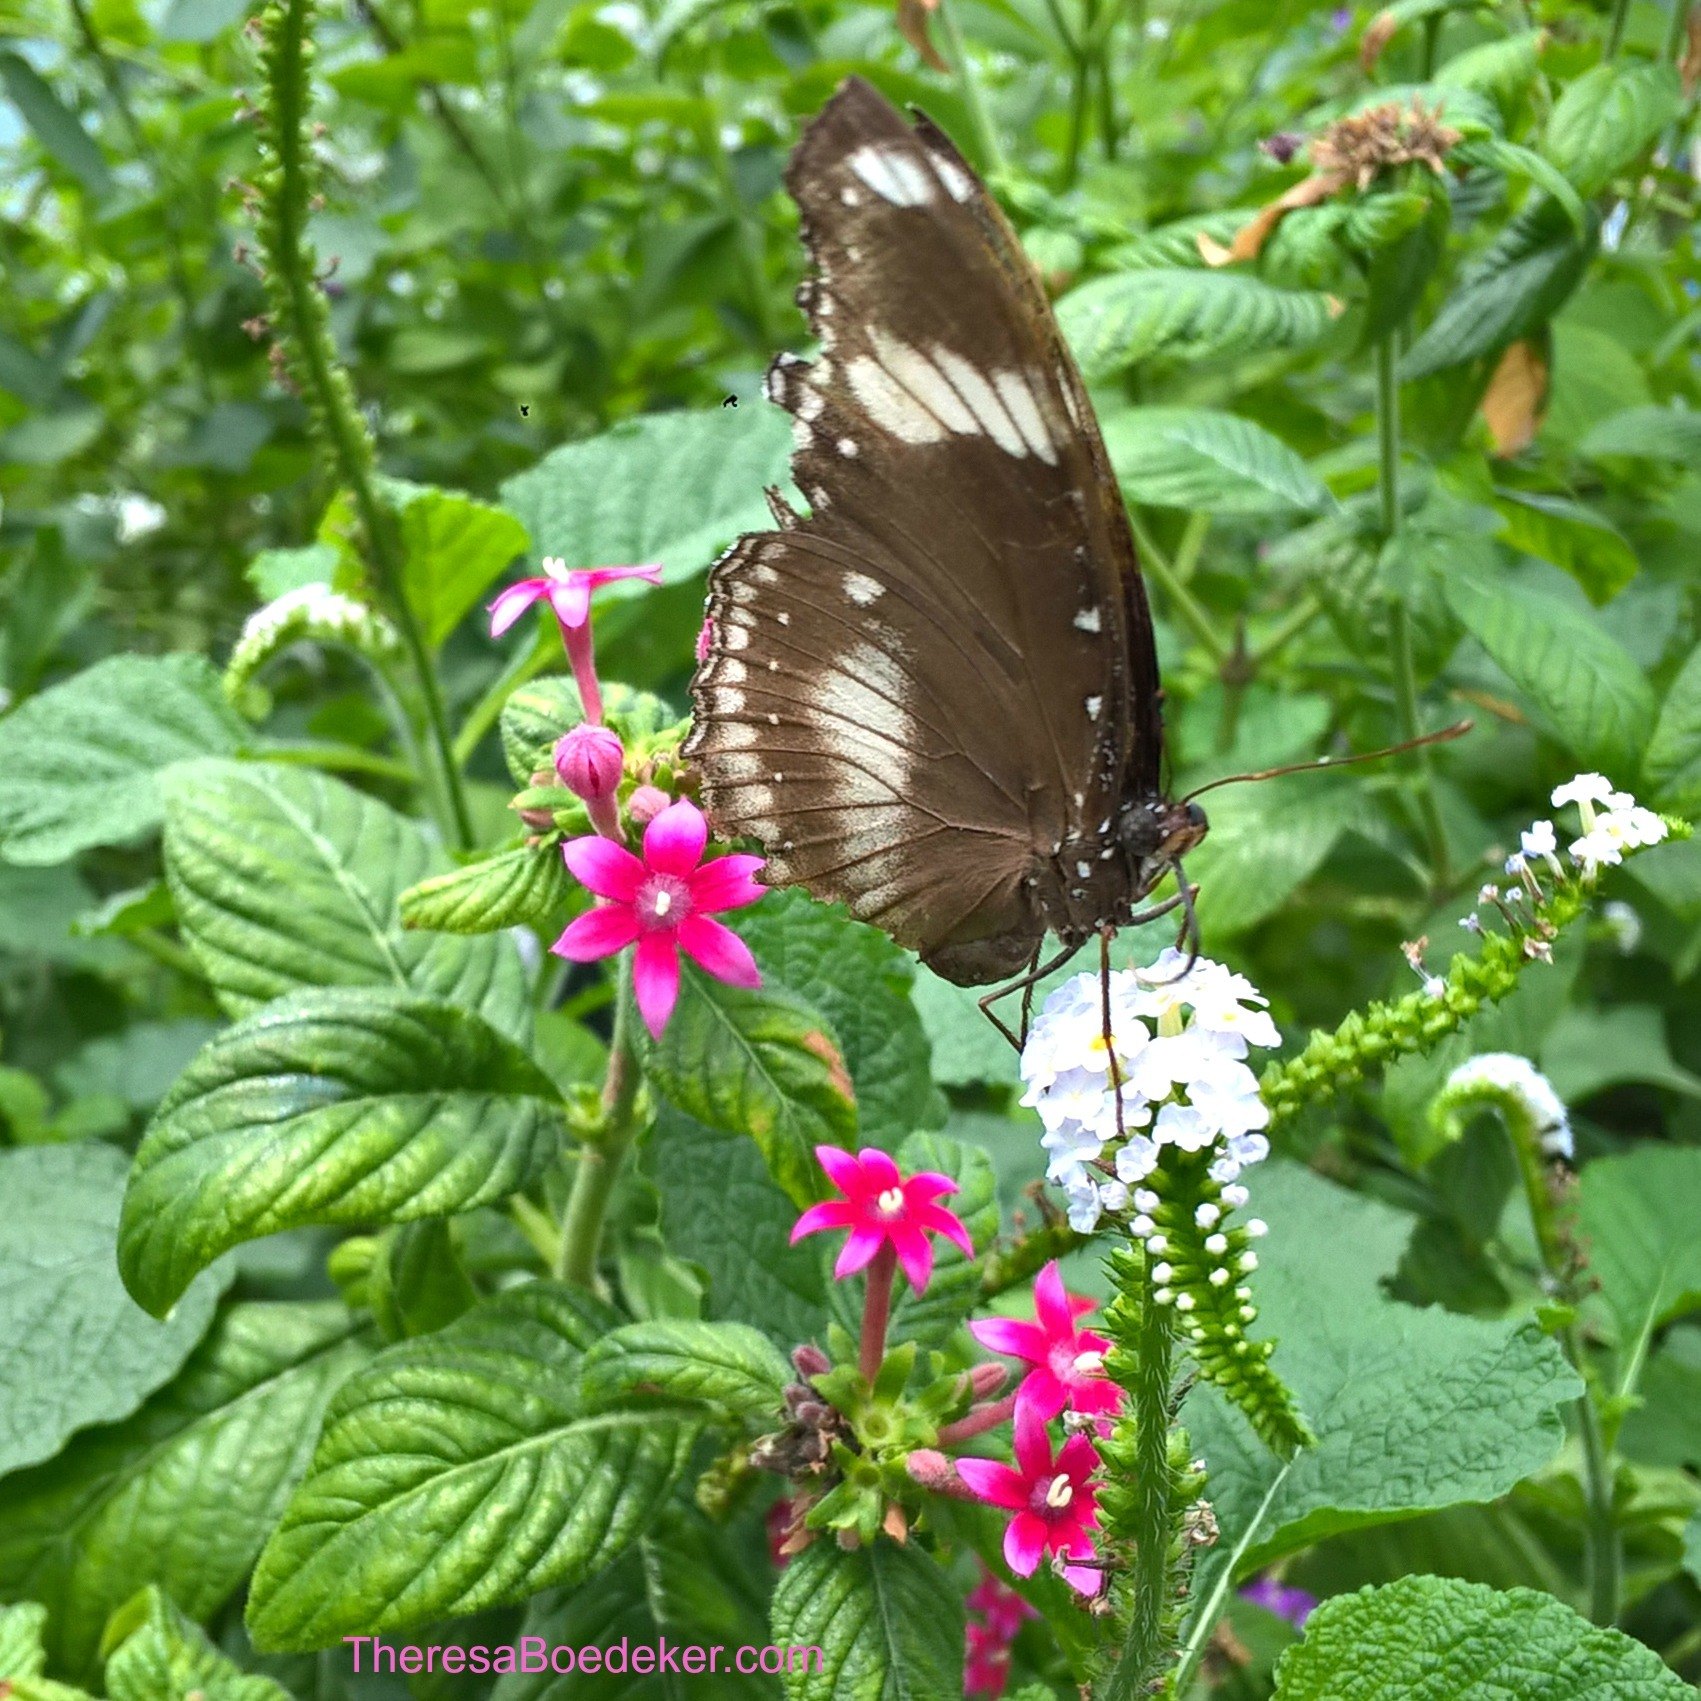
662	903
567	591
881	1205
1068	1362
1055	1503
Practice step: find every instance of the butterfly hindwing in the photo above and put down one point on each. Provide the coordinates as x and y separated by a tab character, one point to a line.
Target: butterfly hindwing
930	683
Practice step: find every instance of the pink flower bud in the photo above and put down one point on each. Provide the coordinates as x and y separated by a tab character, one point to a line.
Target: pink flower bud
705	637
589	762
809	1360
986	1379
646	803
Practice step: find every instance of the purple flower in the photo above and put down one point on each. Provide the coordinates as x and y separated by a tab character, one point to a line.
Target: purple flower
1295	1605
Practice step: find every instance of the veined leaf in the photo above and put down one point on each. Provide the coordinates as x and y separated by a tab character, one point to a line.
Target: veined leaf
23	1658
759	1063
157	1651
1573	537
1201	458
1579	682
354	1105
674	487
1606	119
728	1367
285	878
81	763
1647	433
1516	285
1442	1639
525	887
1503	70
455	549
78	1351
1186	314
1672	761
59	130
886	1619
461	1470
182	1493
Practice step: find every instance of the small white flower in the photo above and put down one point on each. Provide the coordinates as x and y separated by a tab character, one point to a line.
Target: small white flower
1113	1195
1517	864
1069	1147
138	517
1145	1199
1182	1126
1506	1071
1081	1195
1247	1150
1585	788
1235	1196
1596	850
1136	1160
1624	924
1433	986
1538	839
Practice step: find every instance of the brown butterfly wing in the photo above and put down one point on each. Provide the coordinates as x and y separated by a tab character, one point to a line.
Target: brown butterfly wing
917	694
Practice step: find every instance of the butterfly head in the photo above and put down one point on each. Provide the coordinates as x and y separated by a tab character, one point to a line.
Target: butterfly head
1155	832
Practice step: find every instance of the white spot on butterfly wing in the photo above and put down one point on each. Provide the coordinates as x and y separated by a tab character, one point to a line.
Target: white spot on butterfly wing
924	381
893	175
982	401
1087	620
863	590
958	184
1018	398
889	405
847	448
1092	706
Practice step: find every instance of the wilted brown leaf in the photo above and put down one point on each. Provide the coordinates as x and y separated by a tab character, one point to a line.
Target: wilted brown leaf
1377	34
1249	240
1516	396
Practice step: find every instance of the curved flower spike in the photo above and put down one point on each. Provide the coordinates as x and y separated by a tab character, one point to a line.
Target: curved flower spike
882	1205
1068	1362
662	903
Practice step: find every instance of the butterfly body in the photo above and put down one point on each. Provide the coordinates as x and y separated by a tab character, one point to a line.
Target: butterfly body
935	697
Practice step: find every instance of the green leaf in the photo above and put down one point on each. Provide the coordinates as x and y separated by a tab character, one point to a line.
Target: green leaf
350	1105
731	1368
525	887
1517	284
81	763
684	1583
183	1492
721	1209
1579	682
1413	1409
1202	458
1608	117
1572	536
78	1350
860	981
887	1620
671	487
58	129
759	1063
1637	1214
1590	1050
22	1657
1665	1429
1672	762
1185	314
284	878
1502	70
273	572
159	1652
1441	1639
455	549
416	1282
1647	433
459	1471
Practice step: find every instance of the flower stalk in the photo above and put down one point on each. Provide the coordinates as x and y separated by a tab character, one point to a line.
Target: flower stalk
876	1311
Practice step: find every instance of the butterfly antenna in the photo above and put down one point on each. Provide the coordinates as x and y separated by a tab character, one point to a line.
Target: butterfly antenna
1446	735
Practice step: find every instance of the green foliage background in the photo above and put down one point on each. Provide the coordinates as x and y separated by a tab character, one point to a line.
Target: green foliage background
555	260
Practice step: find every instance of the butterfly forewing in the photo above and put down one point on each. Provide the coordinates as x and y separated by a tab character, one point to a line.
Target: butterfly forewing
928	685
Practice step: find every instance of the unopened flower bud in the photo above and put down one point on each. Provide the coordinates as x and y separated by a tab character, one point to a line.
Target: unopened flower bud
809	1360
987	1379
589	762
646	803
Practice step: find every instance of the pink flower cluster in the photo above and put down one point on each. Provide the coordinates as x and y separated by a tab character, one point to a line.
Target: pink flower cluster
996	1613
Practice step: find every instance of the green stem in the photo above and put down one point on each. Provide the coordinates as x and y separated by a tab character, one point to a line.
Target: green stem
302	320
974	98
1399	618
1603	1551
1289	627
1146	1650
521	666
600	1163
1071	169
1012	1265
1620	14
1191	610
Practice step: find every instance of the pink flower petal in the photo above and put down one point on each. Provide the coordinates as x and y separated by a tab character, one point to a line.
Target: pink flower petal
1043	1394
1009	1335
596	577
655	980
858	1251
1051	1303
603	867
928	1184
1078	1458
1033	1447
842	1169
878	1171
830	1214
1094	1395
514	601
571	600
995	1483
597	933
674	841
726	883
1024	1544
937	1220
1085	1580
915	1253
717	950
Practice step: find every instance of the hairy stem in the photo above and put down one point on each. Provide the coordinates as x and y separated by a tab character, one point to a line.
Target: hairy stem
1603	1550
302	323
876	1311
600	1162
974	98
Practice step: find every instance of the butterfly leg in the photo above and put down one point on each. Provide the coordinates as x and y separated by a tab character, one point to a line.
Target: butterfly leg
1025	983
1183	901
1028	994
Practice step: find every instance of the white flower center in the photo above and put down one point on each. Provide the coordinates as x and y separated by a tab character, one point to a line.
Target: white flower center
1088	1363
663	901
1060	1493
891	1202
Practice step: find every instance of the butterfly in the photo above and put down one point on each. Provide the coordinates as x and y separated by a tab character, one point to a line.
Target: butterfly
935	698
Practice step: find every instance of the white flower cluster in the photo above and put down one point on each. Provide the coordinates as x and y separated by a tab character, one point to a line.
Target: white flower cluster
1181	1037
1507	1072
1618	824
309	611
